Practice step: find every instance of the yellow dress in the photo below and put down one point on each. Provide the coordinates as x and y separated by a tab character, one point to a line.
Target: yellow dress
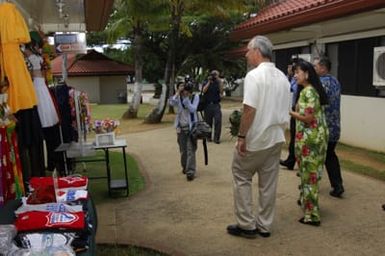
13	32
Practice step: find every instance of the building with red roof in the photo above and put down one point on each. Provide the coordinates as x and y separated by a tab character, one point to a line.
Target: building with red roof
352	34
102	78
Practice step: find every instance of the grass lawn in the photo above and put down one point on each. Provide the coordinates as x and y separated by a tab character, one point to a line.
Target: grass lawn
98	187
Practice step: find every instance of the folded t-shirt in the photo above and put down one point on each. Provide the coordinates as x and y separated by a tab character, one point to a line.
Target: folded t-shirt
30	221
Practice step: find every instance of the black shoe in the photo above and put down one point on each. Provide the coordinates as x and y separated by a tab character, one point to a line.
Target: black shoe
337	192
217	142
288	165
190	177
263	234
383	207
237	231
312	223
184	171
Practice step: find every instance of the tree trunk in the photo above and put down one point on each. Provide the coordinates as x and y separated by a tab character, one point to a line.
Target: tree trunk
133	108
169	75
171	89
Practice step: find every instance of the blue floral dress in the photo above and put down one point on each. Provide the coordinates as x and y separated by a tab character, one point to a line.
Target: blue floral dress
310	150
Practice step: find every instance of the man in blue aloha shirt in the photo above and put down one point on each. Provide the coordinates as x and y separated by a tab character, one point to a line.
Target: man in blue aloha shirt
332	87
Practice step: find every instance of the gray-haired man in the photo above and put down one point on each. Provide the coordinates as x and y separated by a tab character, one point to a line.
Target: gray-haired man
266	105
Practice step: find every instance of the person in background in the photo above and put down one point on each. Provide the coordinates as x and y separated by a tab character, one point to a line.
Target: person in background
295	90
332	87
213	91
186	116
311	140
266	103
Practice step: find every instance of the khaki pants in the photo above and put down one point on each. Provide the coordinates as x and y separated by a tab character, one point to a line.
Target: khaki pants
266	164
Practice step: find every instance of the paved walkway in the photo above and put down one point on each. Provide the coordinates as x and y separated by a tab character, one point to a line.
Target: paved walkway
190	218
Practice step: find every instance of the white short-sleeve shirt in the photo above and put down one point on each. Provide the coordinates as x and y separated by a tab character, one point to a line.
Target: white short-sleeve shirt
267	90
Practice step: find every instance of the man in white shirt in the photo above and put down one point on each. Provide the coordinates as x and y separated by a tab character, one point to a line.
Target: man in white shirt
265	116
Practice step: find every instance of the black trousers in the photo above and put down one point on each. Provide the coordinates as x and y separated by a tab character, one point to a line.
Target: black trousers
333	166
291	157
213	113
30	142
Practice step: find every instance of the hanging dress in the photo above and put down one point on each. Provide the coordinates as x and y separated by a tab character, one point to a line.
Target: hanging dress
310	149
45	107
13	32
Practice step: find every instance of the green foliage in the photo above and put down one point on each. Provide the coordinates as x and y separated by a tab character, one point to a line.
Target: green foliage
154	56
125	56
206	49
235	121
96	38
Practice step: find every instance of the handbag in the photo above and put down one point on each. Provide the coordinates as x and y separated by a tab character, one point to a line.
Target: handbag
201	130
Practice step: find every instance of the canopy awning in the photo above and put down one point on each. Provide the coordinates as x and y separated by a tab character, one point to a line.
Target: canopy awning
65	15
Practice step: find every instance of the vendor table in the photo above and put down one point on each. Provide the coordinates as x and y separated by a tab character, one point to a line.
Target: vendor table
7	216
86	153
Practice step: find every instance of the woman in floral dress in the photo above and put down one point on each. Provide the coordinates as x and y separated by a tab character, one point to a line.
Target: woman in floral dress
311	139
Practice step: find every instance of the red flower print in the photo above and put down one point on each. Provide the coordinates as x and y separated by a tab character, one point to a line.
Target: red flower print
309	110
314	123
309	206
299	135
313	178
305	151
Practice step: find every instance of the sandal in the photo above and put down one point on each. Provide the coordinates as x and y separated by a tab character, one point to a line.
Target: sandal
312	223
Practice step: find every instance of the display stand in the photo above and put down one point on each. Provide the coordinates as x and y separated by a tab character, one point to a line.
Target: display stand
83	153
115	184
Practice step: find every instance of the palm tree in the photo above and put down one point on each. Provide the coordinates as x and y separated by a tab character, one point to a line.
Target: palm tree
177	10
130	20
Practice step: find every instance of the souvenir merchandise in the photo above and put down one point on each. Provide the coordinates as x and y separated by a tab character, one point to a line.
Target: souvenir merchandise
33	221
63	182
48	207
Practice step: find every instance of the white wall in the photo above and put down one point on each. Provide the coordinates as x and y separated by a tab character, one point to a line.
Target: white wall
110	87
363	122
88	84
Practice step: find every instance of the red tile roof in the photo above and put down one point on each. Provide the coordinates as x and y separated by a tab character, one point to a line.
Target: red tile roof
291	13
91	64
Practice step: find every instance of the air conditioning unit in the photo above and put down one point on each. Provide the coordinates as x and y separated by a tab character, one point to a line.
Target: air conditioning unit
379	66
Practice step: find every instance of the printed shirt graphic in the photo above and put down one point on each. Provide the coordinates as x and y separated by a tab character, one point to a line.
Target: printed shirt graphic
30	221
332	110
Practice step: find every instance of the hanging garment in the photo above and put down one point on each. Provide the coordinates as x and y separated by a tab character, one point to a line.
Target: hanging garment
13	32
61	94
30	141
45	107
6	167
15	160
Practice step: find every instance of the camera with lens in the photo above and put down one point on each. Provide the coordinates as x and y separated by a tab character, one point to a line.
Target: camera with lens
188	87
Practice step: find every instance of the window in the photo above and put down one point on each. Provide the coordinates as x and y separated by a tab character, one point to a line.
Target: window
355	66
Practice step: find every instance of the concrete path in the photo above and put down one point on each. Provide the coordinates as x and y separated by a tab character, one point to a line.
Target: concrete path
190	218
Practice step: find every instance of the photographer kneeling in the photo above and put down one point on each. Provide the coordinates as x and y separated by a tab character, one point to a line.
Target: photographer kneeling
186	116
